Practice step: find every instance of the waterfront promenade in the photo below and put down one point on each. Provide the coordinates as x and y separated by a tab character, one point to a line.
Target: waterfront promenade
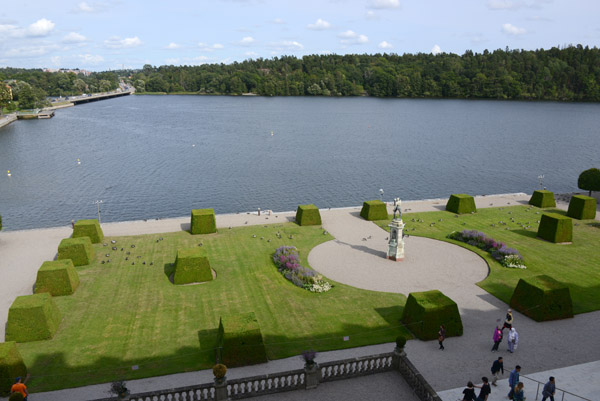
568	344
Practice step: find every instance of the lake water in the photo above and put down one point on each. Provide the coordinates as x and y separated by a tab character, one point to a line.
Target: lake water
152	157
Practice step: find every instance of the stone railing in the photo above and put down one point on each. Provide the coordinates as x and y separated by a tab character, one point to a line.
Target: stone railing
308	378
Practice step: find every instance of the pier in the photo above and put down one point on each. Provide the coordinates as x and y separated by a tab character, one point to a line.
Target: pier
101	96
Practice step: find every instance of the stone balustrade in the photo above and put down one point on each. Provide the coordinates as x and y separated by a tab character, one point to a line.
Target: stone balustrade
348	368
265	384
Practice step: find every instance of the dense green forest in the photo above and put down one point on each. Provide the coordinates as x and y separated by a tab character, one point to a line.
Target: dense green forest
569	74
30	87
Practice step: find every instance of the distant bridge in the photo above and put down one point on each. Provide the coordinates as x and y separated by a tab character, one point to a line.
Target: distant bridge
101	96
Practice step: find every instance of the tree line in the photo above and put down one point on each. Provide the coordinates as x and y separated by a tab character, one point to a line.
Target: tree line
567	74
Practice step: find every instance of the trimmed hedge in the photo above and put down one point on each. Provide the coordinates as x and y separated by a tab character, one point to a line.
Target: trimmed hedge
308	215
542	298
203	221
582	207
461	204
191	266
57	277
424	312
32	318
241	340
555	228
88	228
11	366
79	250
542	199
374	210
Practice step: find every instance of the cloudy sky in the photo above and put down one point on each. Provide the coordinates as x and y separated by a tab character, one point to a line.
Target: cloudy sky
109	34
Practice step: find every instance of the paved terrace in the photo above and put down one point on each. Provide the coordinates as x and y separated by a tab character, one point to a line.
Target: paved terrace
429	264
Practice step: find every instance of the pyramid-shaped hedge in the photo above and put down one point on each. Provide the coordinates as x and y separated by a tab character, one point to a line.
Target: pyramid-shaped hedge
424	312
11	366
88	228
241	340
555	228
542	298
308	215
32	318
582	207
191	266
79	250
461	204
57	277
203	221
374	210
542	198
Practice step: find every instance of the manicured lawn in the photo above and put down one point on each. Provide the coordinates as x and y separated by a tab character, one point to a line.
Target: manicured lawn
124	315
577	265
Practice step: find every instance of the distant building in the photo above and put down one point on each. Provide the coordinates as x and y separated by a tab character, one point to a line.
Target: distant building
65	70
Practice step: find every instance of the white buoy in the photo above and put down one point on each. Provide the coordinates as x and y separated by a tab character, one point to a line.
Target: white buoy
271	133
78	162
194	145
8	173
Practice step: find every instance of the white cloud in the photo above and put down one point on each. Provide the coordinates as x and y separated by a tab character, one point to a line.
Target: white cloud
55	60
85	7
384	4
94	7
205	47
278	21
41	27
31	51
385	45
173	46
74	37
289	45
320	25
91	59
510	29
8	30
436	50
251	54
352	38
246	41
325	52
172	61
371	15
217	46
115	42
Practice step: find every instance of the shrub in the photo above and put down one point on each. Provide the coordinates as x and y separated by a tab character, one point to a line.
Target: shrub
88	228
424	312
79	250
203	221
542	298
31	318
16	397
582	207
508	257
400	342
241	340
58	277
308	215
542	199
11	366
288	264
219	370
461	204
589	180
555	228
191	266
374	210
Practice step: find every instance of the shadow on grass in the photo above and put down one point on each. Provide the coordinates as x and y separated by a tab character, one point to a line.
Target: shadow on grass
526	233
169	269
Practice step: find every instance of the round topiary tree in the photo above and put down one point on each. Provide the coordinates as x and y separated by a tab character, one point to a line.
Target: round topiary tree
589	180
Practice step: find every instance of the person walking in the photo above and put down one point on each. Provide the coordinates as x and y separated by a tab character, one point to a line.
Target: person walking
485	389
513	340
519	392
19	387
549	389
497	367
508	320
442	336
497	338
469	392
513	380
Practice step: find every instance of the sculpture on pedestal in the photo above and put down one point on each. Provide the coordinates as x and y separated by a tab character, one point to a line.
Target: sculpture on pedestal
396	242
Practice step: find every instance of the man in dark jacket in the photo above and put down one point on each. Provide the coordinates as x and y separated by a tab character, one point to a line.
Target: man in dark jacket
513	380
497	367
549	389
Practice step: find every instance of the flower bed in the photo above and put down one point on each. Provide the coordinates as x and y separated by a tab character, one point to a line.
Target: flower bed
508	257
288	263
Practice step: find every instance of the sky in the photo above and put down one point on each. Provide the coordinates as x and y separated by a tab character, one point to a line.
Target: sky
99	35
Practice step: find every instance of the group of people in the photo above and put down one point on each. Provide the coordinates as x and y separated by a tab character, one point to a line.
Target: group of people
512	336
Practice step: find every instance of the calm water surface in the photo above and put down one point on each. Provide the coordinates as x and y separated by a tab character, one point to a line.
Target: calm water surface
161	156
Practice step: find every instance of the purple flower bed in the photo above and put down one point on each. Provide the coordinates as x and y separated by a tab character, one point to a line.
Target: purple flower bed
476	238
288	264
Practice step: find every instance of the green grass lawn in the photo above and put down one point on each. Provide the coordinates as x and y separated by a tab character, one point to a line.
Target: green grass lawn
124	315
577	264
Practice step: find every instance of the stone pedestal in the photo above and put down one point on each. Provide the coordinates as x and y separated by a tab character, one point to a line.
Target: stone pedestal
312	373
221	389
396	242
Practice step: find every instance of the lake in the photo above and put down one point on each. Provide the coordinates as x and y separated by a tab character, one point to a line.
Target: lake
150	157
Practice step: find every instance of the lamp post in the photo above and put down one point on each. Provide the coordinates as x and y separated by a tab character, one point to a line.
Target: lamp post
381	194
98	202
541	179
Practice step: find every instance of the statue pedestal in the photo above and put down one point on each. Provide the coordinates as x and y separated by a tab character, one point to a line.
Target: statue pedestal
396	242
